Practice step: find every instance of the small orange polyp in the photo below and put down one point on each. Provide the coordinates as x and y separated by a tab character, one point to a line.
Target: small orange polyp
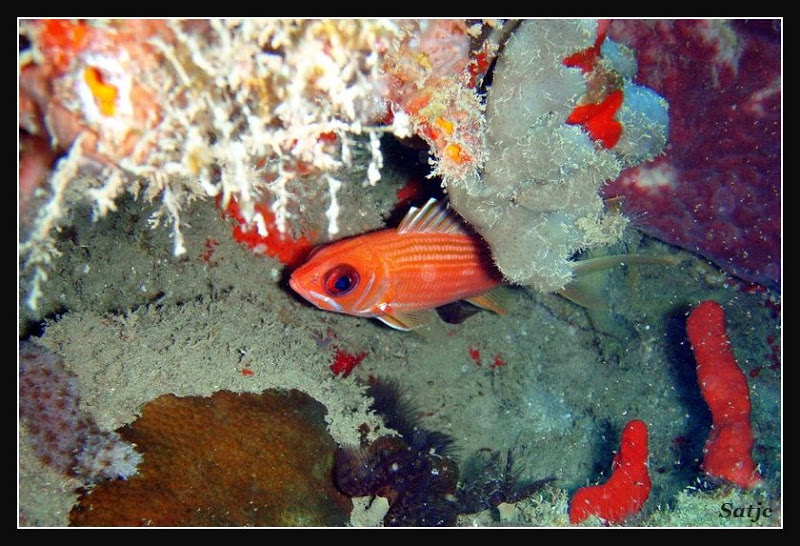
455	153
105	95
444	125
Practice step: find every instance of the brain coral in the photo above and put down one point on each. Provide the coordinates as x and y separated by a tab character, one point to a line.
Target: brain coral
226	460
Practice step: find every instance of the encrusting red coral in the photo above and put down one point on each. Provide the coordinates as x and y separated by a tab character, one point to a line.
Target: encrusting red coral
623	495
290	251
724	388
597	117
344	362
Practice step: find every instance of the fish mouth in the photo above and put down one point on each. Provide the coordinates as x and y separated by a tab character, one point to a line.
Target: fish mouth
320	301
294	284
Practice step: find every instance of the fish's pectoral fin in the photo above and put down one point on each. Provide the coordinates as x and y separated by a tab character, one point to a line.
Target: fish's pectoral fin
406	320
495	299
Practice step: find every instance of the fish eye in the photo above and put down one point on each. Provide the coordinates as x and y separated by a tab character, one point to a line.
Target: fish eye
341	280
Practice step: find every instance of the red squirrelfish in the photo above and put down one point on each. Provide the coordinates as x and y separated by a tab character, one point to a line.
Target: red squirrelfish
399	275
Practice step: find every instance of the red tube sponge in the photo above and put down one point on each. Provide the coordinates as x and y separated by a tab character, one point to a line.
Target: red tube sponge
724	388
623	495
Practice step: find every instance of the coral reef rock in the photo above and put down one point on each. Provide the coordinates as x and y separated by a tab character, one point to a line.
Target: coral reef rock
226	460
412	471
717	190
60	433
536	202
419	484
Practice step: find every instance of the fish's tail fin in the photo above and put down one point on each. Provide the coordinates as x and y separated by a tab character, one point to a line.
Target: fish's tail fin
586	294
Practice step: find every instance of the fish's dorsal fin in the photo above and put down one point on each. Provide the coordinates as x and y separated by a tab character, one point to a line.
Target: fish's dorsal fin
433	217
